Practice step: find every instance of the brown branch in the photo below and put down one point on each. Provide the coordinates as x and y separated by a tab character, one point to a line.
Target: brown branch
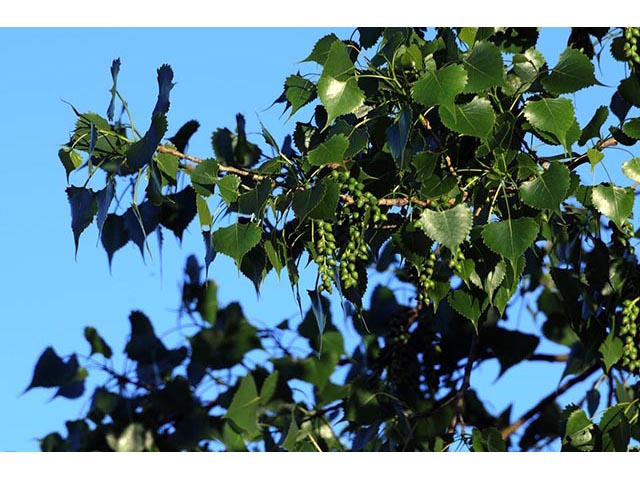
223	168
507	431
545	357
391	202
582	159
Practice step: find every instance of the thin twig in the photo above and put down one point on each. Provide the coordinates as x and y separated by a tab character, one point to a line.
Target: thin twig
545	357
223	168
507	431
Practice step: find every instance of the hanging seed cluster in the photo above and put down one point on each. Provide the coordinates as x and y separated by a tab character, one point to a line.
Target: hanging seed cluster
631	36
629	335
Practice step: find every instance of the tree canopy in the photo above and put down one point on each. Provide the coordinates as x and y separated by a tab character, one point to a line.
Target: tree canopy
446	162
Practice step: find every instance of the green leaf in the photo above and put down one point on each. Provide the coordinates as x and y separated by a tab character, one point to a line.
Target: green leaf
98	345
237	239
487	440
299	91
592	129
274	257
204	214
84	206
228	186
398	134
204	177
547	190
614	202
595	157
254	201
631	169
494	278
292	435
578	432
244	407
338	87
269	388
552	115
321	49
484	67
133	438
475	118
611	350
573	72
440	87
448	227
467	305
141	153
70	159
510	238
330	151
632	128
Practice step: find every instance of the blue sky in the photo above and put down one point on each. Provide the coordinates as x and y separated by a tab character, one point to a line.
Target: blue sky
47	296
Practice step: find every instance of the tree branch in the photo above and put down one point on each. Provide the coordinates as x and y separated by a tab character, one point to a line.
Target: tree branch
466	381
223	168
507	431
545	357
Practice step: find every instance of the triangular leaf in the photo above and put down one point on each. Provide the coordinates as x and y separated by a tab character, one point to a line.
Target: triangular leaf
83	208
204	177
475	118
321	49
104	198
611	350
448	227
338	87
631	169
467	305
573	72
398	134
632	128
440	87
614	202
114	235
244	406
299	91
484	67
547	190
98	345
70	159
510	238
237	239
330	151
178	210
228	186
553	115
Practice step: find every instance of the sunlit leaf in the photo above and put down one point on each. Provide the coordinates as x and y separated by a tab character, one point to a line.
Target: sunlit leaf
237	239
475	118
448	227
574	71
440	87
614	202
484	67
548	189
510	238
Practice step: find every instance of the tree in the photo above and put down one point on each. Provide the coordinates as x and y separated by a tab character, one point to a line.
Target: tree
446	161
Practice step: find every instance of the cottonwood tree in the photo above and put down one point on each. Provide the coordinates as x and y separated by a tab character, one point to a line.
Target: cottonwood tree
449	160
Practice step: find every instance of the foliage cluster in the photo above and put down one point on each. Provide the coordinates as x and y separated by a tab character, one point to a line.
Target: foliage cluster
448	159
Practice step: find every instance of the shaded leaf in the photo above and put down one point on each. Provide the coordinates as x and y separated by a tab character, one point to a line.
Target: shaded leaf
475	118
70	159
484	67
632	128
115	69
244	406
547	190
204	214
182	136
330	151
104	198
228	186
269	388
338	87
143	345
237	239
487	440
467	305
510	238
592	129
299	91
579	431
114	235
614	202
611	350
398	134
83	208
98	345
140	221
178	210
510	347
574	71
448	227
440	87
254	201
141	152
50	370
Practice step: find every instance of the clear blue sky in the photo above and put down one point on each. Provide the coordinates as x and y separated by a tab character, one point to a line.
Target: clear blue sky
47	296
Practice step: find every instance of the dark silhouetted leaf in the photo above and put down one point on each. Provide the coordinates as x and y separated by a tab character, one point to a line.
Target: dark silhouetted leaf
592	129
619	106
141	152
165	84
182	136
84	206
178	210
115	69
398	134
114	235
140	221
104	198
143	345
